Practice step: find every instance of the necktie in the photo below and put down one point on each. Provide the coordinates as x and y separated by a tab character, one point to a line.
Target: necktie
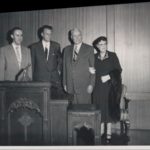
75	54
46	52
18	54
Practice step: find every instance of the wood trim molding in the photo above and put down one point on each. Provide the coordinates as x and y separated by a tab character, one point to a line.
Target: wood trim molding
138	95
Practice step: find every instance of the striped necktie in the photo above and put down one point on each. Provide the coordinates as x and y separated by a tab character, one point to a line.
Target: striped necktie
75	54
18	54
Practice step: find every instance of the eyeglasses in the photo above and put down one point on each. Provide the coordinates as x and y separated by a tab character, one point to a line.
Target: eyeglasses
102	44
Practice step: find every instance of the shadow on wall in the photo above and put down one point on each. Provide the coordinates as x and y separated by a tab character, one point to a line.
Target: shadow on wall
8	36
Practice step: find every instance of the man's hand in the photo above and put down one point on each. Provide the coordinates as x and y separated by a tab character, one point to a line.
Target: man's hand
105	78
65	88
92	70
90	89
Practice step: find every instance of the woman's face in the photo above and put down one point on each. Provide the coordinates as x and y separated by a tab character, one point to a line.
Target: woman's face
102	46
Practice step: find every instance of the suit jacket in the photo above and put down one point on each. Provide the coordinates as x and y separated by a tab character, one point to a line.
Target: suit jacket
9	67
44	70
76	75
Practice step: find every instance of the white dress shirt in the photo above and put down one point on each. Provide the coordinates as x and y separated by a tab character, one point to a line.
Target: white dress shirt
46	45
78	47
17	49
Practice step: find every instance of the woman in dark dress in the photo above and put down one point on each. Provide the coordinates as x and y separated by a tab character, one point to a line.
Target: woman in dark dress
107	90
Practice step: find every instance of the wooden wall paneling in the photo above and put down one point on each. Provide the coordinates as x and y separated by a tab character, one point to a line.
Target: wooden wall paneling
139	114
95	24
124	45
4	25
142	40
62	24
131	46
87	19
110	27
132	38
21	20
32	25
91	21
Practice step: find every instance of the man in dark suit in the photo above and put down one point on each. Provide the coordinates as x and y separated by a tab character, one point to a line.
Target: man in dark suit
78	69
47	59
15	58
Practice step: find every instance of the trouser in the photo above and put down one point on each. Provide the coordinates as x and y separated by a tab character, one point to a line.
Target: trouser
81	98
108	131
58	93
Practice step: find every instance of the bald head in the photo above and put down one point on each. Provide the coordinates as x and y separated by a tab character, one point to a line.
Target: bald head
76	35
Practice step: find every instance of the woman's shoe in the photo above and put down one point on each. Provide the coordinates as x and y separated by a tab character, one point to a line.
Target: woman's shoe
108	141
108	138
103	138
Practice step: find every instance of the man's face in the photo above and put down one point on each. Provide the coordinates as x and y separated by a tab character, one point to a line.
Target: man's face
46	35
102	45
76	37
17	37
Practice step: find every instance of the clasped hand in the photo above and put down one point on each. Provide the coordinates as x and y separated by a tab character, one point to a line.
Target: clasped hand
90	89
105	78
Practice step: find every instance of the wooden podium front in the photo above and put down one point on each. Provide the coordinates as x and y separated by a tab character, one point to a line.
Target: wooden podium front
87	118
24	113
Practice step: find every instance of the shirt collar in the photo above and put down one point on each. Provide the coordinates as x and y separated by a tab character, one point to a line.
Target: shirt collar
14	46
78	46
105	57
46	44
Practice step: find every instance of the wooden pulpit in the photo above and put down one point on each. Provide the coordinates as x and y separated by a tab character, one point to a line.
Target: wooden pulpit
24	113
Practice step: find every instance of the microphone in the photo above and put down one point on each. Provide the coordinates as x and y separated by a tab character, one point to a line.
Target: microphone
22	75
26	68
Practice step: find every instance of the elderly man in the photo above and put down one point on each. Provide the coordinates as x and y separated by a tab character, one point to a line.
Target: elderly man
78	69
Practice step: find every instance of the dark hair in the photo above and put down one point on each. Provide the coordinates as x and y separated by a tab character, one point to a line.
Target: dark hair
96	41
46	27
14	29
10	32
101	38
41	29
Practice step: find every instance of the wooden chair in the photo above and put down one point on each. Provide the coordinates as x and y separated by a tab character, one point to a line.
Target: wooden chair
124	116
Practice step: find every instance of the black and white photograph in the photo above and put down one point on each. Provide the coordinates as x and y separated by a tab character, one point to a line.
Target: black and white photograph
76	75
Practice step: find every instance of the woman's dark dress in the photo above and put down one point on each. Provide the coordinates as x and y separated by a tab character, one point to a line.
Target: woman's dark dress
101	90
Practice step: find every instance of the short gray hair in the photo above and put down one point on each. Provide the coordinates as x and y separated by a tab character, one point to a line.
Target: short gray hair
75	29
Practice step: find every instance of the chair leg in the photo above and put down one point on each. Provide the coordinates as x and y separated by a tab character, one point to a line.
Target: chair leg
102	128
127	126
122	127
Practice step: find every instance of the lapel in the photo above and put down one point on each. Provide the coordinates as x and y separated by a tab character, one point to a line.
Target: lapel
51	53
51	49
71	54
13	55
23	53
41	51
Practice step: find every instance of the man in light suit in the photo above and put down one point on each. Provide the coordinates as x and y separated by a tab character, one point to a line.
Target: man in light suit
14	58
78	69
47	60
